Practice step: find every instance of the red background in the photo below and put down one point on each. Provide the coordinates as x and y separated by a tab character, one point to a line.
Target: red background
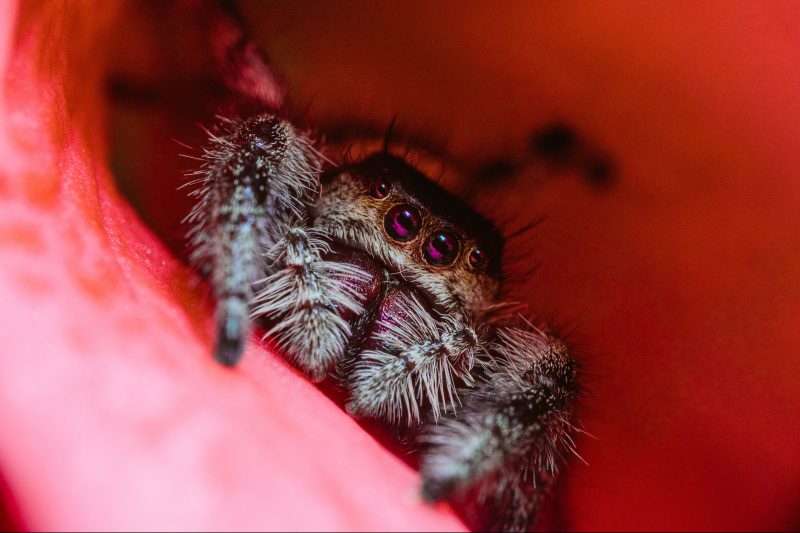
681	280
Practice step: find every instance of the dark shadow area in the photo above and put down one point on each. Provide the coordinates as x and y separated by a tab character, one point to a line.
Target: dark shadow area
10	516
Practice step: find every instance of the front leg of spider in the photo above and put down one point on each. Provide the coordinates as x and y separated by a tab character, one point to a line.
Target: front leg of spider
256	181
251	221
505	443
412	363
309	301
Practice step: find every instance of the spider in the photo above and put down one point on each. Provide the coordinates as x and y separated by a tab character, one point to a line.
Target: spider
370	273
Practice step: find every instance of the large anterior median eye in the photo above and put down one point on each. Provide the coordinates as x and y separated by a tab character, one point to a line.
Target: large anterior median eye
402	222
441	248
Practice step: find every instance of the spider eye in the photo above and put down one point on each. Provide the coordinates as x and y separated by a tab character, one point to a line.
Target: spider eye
478	258
441	248
379	189
402	222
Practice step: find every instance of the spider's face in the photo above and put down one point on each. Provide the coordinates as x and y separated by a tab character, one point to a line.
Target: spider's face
388	209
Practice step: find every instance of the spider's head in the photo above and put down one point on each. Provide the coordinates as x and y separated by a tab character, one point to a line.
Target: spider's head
421	233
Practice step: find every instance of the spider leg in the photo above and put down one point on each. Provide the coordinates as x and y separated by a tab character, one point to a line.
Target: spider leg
506	442
257	178
309	301
412	362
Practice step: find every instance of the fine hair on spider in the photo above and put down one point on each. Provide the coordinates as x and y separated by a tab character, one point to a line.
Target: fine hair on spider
363	269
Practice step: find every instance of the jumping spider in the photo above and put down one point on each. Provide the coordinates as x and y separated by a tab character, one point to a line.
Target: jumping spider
370	272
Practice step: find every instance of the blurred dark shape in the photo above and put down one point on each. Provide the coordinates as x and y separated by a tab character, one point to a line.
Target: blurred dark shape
497	171
556	149
556	143
599	171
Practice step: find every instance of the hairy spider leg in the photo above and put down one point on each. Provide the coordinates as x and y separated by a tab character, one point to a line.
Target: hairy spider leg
257	178
413	363
308	301
510	435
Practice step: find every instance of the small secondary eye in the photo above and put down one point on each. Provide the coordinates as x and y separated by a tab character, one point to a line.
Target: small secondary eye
379	189
441	248
478	258
402	222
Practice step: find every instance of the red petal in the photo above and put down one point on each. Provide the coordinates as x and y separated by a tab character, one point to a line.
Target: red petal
113	414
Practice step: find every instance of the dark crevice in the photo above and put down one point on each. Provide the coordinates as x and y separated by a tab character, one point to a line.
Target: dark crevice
10	515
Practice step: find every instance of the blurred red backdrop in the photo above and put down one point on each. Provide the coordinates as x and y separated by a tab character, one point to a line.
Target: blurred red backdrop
682	280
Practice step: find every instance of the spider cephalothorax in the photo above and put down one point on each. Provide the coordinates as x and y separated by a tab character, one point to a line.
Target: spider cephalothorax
370	272
385	207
